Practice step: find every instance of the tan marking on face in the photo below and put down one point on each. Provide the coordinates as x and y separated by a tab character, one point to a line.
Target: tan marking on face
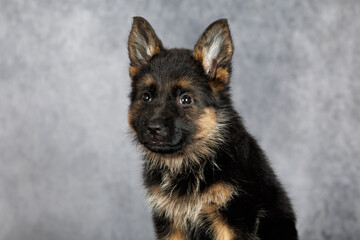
206	123
134	108
148	80
184	82
129	120
220	229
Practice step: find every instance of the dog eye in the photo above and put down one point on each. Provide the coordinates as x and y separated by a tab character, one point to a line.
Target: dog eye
185	99
146	97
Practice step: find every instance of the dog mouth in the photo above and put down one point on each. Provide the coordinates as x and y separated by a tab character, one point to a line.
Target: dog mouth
158	145
163	147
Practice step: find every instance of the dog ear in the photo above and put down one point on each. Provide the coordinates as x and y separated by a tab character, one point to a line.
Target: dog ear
143	44
214	51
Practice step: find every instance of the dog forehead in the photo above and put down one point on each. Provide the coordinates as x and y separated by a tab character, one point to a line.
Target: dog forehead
174	63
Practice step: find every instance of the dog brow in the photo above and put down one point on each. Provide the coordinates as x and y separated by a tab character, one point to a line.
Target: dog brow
184	83
180	89
148	80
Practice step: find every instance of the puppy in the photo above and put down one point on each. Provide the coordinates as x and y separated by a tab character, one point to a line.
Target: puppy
205	175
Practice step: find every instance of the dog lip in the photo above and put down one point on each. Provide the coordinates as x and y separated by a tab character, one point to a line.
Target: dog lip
156	143
162	147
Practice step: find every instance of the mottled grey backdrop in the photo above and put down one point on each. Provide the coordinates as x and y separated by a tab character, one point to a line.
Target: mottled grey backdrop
67	168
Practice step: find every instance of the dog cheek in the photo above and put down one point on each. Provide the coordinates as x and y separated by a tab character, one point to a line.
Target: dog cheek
133	115
206	123
130	120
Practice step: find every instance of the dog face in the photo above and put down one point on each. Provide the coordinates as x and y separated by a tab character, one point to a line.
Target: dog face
177	94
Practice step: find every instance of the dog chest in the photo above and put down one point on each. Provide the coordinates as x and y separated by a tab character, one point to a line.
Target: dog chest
191	207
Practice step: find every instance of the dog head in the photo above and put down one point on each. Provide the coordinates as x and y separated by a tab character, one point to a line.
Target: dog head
177	94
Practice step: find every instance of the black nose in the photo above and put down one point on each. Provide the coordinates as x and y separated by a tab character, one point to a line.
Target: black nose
155	128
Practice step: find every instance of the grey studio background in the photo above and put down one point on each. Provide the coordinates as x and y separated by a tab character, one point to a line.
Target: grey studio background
67	168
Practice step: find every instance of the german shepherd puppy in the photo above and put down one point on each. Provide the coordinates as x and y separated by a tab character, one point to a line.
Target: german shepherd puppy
206	176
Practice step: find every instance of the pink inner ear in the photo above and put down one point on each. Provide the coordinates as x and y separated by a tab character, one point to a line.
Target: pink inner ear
212	69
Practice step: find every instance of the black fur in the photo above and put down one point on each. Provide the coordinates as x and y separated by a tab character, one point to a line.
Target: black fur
260	208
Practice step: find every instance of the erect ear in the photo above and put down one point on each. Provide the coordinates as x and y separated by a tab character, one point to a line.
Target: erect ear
143	44
214	51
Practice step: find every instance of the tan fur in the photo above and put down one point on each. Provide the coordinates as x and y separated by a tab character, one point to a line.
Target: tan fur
197	53
148	80
216	86
176	235
129	120
133	71
221	79
229	48
132	111
180	209
222	75
220	229
219	193
184	83
206	123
